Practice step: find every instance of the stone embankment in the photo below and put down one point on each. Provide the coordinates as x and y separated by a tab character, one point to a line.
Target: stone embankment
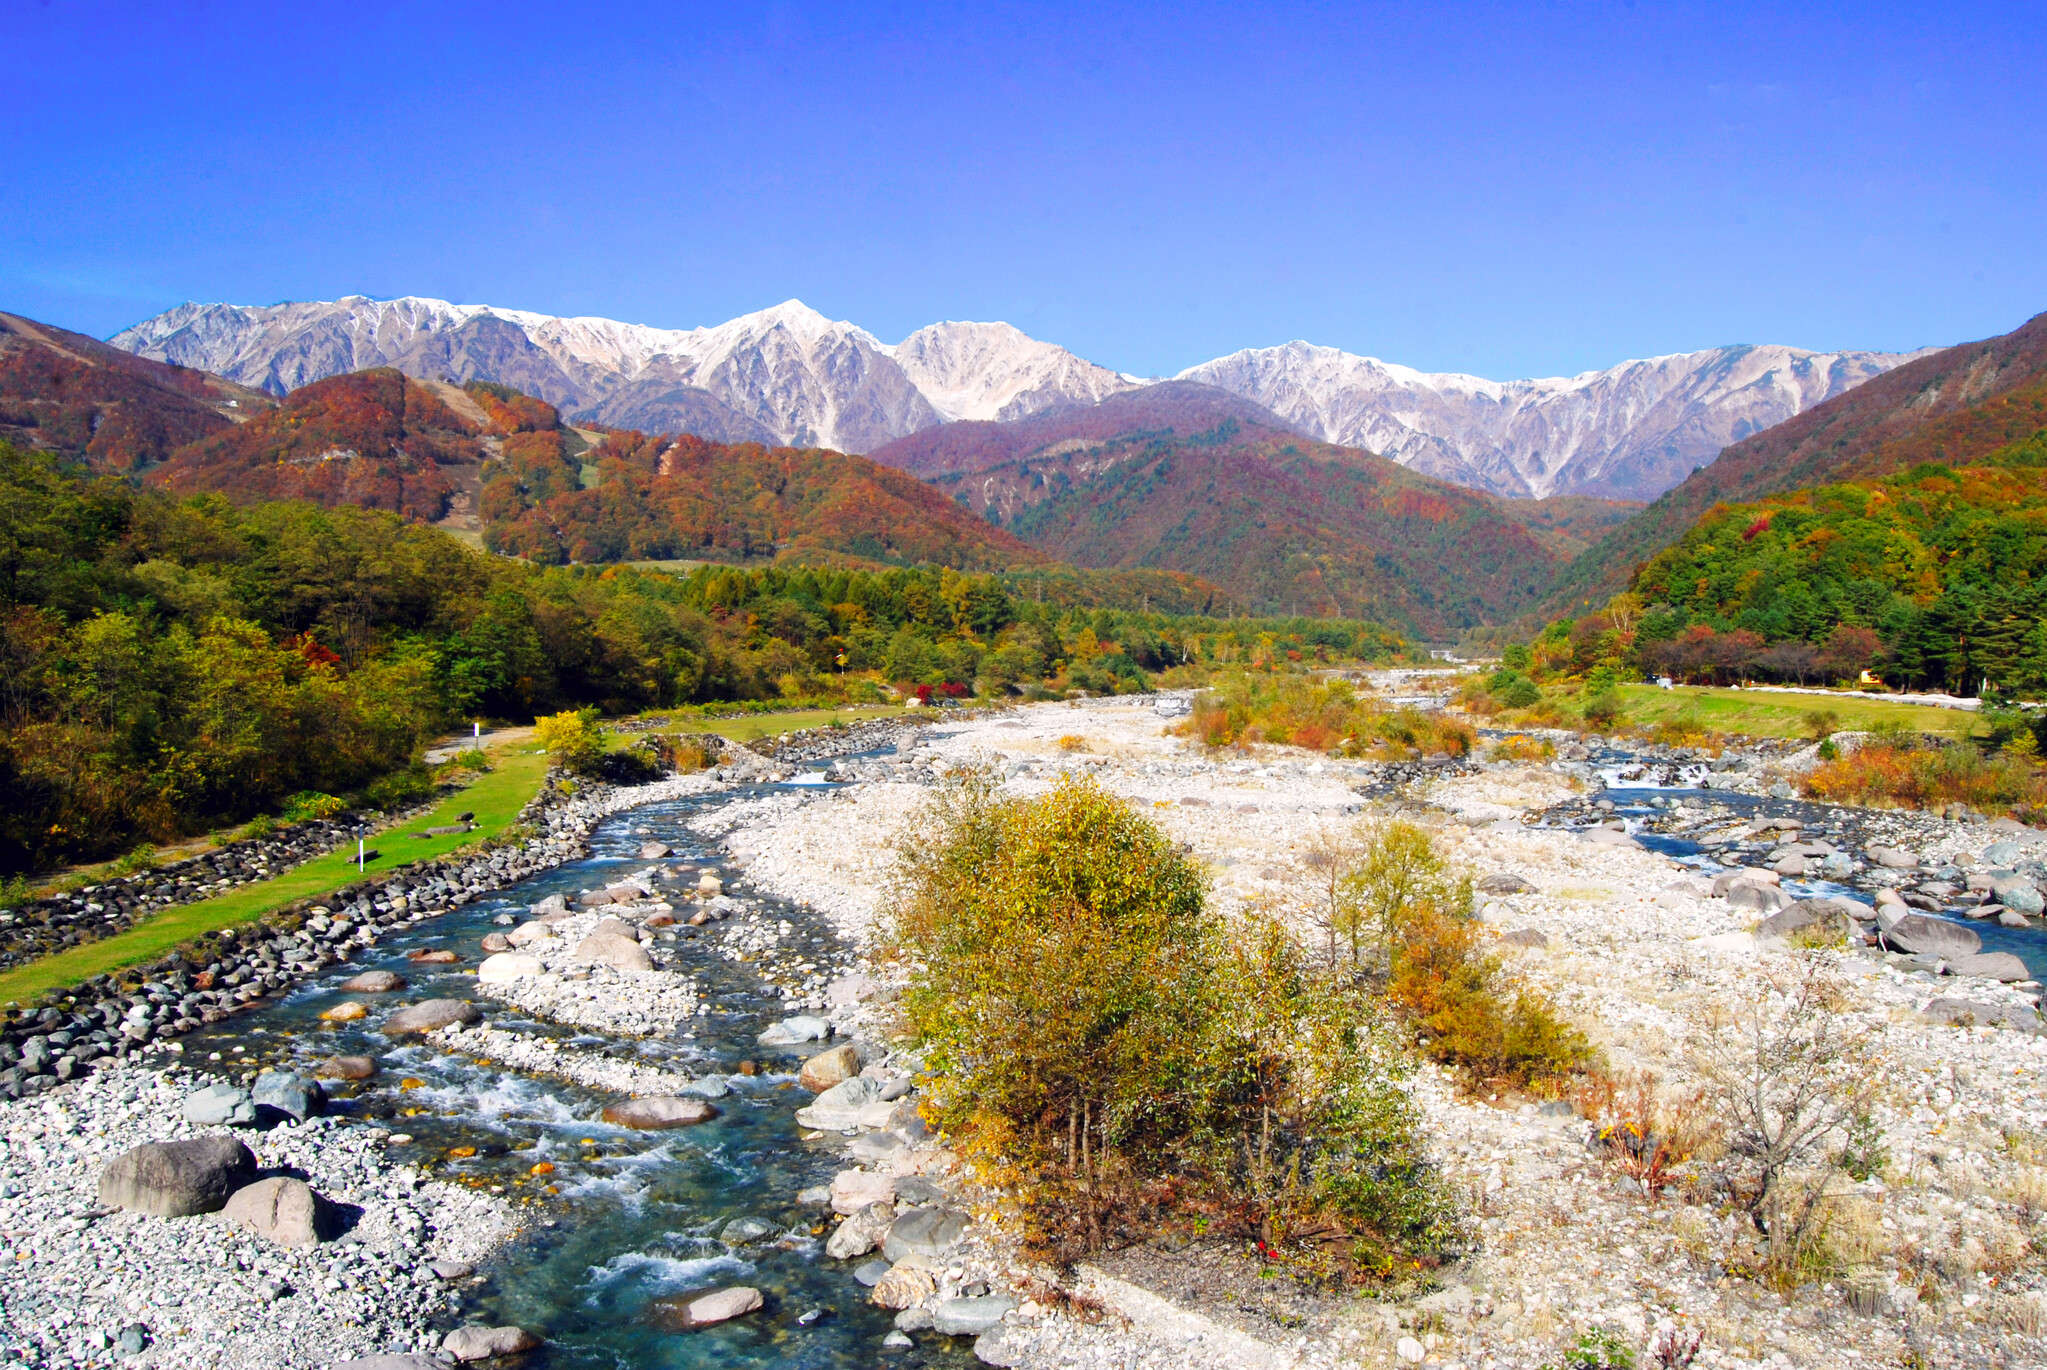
38	927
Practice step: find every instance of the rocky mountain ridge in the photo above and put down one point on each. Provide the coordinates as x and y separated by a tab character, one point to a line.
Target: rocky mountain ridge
790	376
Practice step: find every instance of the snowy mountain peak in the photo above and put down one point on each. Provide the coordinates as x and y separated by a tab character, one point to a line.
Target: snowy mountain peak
789	374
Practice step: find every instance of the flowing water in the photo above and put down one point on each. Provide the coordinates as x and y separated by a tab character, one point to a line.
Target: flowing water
625	1217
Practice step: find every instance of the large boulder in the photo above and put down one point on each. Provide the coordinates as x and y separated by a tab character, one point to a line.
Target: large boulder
839	1108
1504	882
2020	895
791	1031
526	934
1991	965
1812	917
653	851
687	1312
429	1016
1955	1012
904	1286
374	982
292	1095
926	1232
220	1105
1915	932
612	949
476	1342
347	1068
853	1190
175	1179
1891	858
281	1210
507	966
659	1111
828	1068
860	1233
1763	898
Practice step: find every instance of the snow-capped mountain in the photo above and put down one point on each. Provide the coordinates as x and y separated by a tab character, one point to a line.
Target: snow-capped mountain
1629	432
790	375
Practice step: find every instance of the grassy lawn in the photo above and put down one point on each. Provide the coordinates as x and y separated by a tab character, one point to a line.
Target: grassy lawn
495	798
1765	714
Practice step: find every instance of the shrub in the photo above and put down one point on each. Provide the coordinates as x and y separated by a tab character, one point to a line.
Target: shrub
400	788
1326	715
1094	1030
1516	656
687	752
1521	747
1604	710
568	736
1515	691
1887	775
307	805
1468	1015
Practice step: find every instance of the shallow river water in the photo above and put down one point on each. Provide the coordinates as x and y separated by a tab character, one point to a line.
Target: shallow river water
625	1217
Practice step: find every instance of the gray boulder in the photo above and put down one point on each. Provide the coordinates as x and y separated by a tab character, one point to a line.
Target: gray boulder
1504	882
2020	895
292	1095
2002	853
1951	1011
970	1317
924	1232
659	1111
687	1312
221	1105
374	982
176	1179
281	1210
430	1015
991	1349
1525	937
1991	965
1762	898
838	1108
1891	857
612	949
829	1067
1915	932
476	1342
861	1233
1815	916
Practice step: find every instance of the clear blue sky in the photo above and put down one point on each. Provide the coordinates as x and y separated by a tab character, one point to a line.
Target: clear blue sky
1511	191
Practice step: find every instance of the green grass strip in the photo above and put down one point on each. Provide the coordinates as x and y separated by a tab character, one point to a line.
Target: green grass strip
495	798
757	726
1761	713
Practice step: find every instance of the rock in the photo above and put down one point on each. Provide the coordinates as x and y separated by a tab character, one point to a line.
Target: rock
347	1011
2002	853
653	851
791	1031
476	1342
1526	937
709	1087
1503	882
853	1190
451	1270
507	966
526	934
1991	965
658	1111
897	1339
838	1108
1409	1350
907	1122
849	990
496	942
1792	865
1607	837
1933	936
552	905
918	1191
292	1095
347	1068
134	1339
1891	857
710	886
912	1318
281	1210
870	1273
374	982
904	1286
1727	880
221	1105
828	1068
2007	919
1839	866
970	1317
175	1179
860	1233
924	1232
991	1349
611	949
1817	917
2020	896
398	1362
1763	898
686	1312
429	1015
433	958
1953	1012
740	1231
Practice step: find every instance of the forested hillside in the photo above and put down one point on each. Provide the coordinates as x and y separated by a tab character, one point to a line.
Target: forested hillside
1937	577
171	665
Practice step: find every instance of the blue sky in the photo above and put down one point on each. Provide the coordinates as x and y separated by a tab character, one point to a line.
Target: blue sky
1510	191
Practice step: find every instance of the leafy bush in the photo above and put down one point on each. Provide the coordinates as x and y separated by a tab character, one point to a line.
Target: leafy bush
1891	776
571	738
1604	710
1514	690
687	752
1468	1015
400	788
307	805
1093	1029
1322	714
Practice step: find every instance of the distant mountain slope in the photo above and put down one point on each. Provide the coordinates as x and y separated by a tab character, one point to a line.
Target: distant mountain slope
1287	524
373	438
789	375
1167	407
1952	406
119	412
664	498
1628	432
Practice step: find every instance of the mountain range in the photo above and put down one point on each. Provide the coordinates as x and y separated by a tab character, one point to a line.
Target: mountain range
789	376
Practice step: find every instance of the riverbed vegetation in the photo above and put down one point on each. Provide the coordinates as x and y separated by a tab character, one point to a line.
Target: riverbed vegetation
1118	1056
1323	713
